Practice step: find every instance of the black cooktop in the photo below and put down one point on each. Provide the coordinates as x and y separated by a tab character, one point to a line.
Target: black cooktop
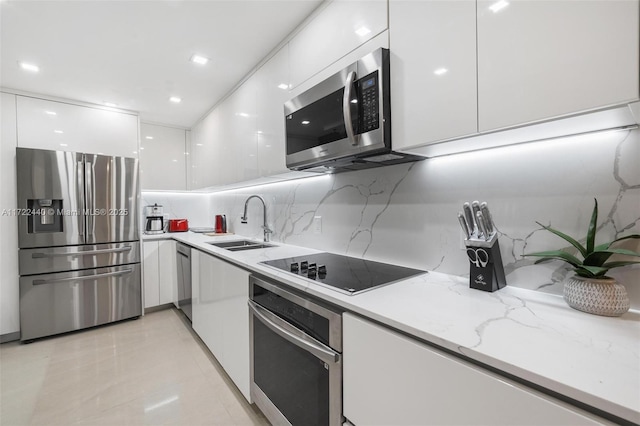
346	274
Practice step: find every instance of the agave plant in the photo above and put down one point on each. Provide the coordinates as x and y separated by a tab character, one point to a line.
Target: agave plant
595	259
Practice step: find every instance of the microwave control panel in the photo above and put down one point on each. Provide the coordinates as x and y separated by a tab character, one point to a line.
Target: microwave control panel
369	99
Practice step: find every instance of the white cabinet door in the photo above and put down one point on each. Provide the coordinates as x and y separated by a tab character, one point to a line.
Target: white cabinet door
543	59
337	30
167	271
60	126
433	70
392	379
208	314
236	359
239	160
163	158
150	267
272	86
206	148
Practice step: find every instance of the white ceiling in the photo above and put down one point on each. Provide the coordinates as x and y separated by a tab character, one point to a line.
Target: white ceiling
135	54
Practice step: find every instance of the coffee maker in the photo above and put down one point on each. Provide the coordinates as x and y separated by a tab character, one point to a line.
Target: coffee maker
155	220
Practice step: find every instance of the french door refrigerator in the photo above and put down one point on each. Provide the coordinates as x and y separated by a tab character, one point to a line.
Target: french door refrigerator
79	241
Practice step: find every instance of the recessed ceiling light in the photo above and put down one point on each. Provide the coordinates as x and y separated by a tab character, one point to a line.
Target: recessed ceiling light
135	152
29	67
283	86
242	114
58	132
148	137
110	104
497	6
51	113
305	122
175	161
63	144
363	31
198	144
141	148
441	71
200	60
175	99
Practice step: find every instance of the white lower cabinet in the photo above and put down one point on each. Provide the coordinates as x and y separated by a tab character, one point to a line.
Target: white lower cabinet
159	269
392	379
221	315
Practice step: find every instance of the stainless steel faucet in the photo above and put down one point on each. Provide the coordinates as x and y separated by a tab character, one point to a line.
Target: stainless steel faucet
243	219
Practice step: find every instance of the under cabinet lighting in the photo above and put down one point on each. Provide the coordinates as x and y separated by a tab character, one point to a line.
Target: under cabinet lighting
200	60
283	86
29	67
175	99
363	31
498	6
441	71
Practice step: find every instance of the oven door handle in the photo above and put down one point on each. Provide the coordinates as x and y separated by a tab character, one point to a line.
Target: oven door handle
293	335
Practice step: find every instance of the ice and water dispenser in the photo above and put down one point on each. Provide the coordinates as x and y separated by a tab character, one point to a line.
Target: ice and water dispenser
45	215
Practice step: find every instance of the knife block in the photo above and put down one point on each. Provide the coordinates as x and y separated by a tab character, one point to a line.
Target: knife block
486	273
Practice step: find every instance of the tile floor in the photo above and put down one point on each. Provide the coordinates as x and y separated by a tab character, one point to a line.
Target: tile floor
152	371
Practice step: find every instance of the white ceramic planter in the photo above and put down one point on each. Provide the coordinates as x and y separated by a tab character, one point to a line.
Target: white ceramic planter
599	296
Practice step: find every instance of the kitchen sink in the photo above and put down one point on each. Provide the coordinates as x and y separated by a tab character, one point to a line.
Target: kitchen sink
239	245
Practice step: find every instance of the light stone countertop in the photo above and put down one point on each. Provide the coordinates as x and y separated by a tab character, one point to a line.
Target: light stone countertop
529	334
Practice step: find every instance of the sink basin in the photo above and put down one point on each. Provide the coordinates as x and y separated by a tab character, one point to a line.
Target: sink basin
239	245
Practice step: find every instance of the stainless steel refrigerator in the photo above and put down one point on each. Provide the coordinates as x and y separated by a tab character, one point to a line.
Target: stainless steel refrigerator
79	241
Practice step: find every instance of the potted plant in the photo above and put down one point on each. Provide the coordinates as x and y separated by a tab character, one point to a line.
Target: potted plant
591	290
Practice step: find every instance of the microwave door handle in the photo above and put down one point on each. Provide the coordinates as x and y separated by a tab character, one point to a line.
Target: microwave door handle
346	108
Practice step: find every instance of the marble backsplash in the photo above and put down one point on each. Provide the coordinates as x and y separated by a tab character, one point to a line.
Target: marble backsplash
407	214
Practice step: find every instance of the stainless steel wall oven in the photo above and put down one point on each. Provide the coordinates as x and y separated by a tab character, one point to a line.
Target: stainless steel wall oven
296	360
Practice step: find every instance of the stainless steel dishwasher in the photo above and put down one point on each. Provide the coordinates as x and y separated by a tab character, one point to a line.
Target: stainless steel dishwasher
183	254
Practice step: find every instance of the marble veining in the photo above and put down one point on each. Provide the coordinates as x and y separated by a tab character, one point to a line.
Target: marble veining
406	214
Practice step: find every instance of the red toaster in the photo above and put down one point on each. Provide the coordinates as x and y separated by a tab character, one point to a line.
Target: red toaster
178	225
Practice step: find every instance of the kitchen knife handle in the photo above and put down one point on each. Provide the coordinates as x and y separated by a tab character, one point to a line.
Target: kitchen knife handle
488	220
481	225
463	224
468	214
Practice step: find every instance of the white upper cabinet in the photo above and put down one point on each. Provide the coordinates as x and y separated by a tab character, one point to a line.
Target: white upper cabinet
337	30
163	158
543	59
206	145
433	71
240	138
44	124
272	87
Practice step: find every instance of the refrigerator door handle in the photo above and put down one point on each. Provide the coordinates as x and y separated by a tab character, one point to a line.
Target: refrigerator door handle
83	278
91	202
81	253
80	196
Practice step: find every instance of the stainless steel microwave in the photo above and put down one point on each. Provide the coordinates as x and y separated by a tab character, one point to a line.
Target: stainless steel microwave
344	122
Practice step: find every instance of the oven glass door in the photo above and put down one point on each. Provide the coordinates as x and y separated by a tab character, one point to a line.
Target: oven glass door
293	379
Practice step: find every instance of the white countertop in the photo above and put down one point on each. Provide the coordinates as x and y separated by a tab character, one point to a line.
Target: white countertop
532	335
